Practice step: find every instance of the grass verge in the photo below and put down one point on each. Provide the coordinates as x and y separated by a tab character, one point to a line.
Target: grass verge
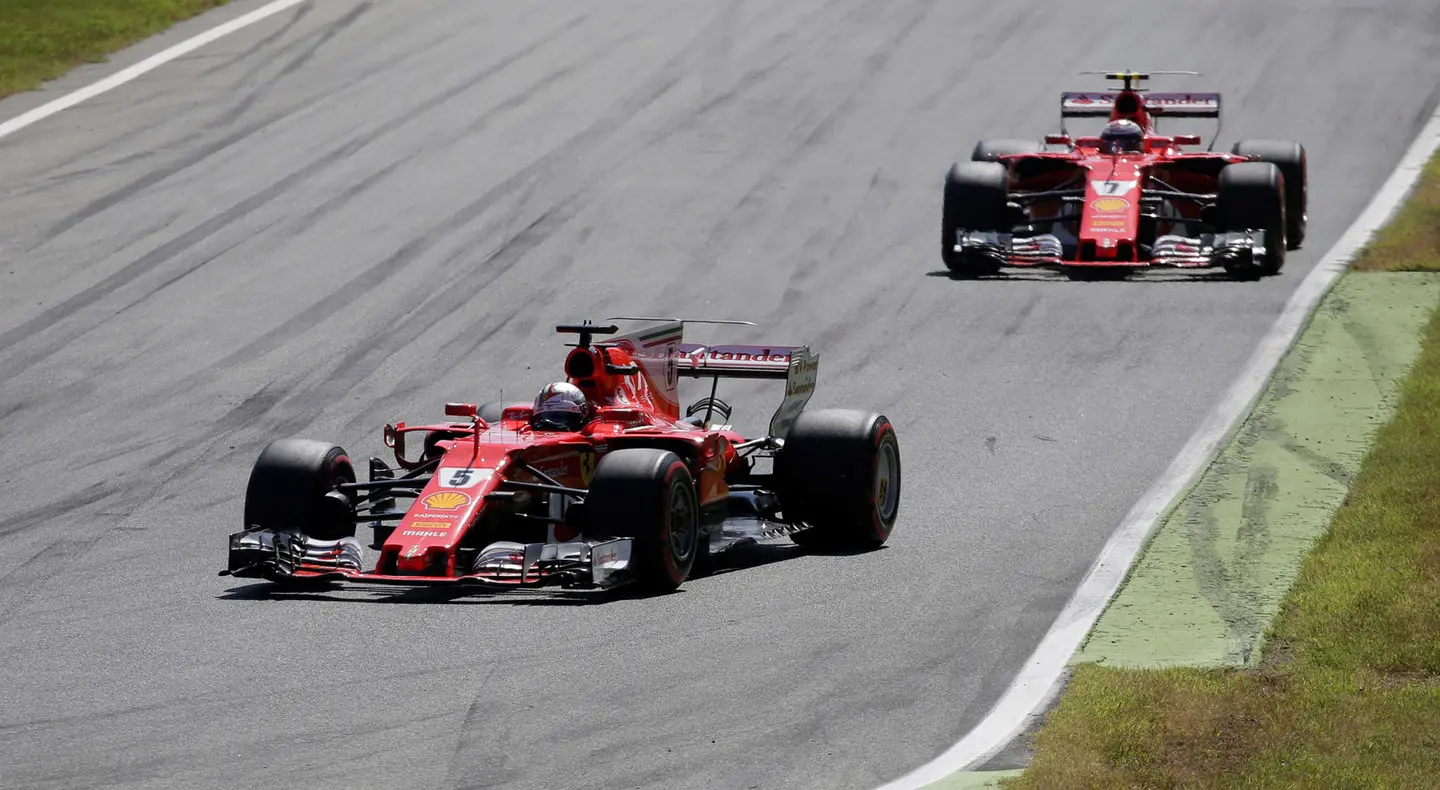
1348	692
42	39
1411	241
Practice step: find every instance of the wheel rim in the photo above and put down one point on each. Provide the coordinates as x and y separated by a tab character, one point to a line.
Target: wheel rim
887	482
682	522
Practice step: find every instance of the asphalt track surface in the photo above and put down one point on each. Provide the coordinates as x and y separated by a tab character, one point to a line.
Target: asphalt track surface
355	211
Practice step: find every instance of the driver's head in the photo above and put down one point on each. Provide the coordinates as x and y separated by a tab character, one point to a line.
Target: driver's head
560	407
1122	137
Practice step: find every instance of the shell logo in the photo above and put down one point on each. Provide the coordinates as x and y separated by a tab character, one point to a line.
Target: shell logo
1110	204
447	500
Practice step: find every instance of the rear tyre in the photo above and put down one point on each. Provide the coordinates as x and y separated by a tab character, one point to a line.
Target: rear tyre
295	486
975	194
839	475
992	150
649	496
1252	197
1290	158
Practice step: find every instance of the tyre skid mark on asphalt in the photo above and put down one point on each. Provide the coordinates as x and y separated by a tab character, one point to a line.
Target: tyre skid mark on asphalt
22	583
454	293
297	16
200	233
311	43
167	470
726	233
16	523
154	177
160	761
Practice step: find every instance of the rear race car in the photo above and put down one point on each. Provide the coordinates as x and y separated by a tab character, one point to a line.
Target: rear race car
635	493
1109	205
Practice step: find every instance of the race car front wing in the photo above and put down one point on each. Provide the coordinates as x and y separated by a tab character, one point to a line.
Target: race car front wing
1208	250
290	557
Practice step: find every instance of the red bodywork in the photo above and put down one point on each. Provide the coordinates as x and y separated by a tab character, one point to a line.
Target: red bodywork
1107	225
632	383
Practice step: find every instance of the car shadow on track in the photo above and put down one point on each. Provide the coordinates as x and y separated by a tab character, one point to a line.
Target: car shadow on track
1169	276
737	559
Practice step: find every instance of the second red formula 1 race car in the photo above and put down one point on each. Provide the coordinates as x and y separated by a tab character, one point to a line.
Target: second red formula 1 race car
600	481
1128	199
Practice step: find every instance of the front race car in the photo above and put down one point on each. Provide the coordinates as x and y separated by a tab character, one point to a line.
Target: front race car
632	492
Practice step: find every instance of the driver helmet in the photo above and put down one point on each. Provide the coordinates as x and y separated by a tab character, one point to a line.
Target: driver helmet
1122	137
560	407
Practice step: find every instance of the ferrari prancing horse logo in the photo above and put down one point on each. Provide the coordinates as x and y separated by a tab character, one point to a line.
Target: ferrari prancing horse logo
588	459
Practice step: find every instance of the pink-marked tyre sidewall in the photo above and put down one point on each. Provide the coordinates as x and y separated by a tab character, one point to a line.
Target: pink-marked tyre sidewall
839	477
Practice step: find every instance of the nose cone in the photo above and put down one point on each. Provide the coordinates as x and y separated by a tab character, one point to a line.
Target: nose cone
425	540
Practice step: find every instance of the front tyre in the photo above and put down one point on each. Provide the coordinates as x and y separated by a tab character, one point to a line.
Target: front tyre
1291	160
974	200
1252	197
295	485
839	476
648	495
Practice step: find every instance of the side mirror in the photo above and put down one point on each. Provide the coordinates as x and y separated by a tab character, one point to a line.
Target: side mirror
460	410
1057	139
1187	139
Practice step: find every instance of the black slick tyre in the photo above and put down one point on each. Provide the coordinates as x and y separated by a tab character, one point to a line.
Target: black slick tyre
975	200
1252	197
992	150
648	495
294	486
839	476
1290	158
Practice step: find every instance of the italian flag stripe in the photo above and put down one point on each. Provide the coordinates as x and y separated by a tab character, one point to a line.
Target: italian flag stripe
662	336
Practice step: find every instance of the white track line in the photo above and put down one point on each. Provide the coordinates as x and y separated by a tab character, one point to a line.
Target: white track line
1038	680
149	64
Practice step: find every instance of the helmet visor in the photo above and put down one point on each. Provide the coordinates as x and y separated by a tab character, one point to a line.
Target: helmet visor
558	421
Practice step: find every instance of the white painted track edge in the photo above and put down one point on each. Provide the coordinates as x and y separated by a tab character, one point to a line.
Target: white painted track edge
149	64
1039	679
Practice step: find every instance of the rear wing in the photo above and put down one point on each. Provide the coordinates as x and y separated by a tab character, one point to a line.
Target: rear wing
1155	105
672	358
795	365
696	360
1083	104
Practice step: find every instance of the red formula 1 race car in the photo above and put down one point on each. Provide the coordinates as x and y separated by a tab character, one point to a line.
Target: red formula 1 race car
601	481
1127	199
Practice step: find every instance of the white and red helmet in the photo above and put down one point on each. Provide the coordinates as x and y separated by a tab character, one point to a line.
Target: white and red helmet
560	407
